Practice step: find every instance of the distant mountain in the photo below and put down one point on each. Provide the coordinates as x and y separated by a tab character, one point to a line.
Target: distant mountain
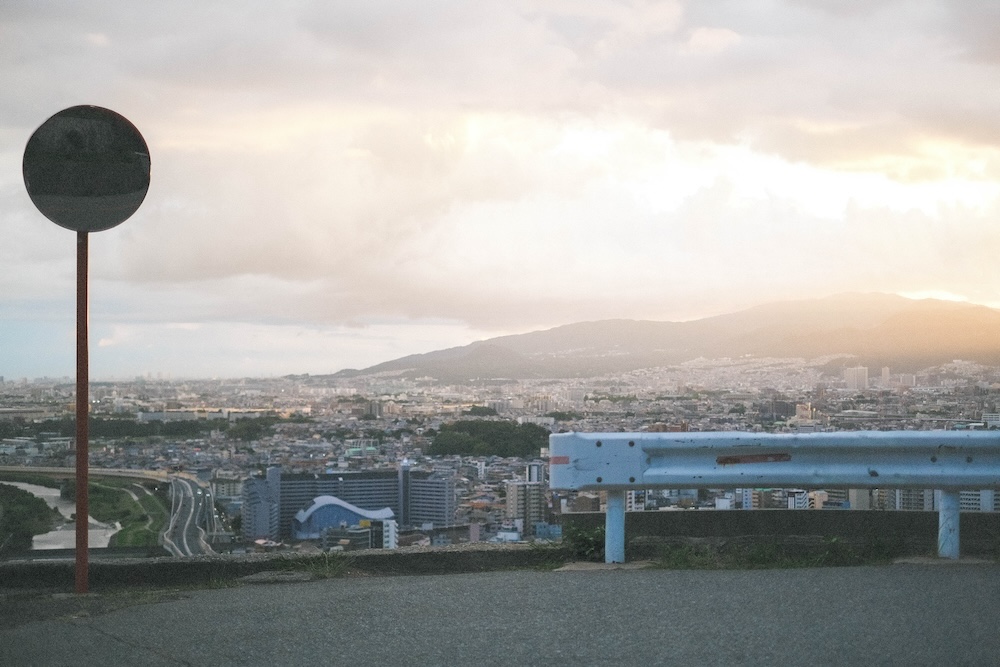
878	329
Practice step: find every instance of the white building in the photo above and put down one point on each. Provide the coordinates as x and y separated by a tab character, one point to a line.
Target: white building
856	378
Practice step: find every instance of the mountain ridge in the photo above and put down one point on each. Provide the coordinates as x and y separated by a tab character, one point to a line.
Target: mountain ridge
876	329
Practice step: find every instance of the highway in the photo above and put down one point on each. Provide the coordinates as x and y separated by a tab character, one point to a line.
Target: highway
191	513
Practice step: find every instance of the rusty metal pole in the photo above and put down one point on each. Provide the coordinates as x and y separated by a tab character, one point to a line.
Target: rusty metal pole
86	169
82	414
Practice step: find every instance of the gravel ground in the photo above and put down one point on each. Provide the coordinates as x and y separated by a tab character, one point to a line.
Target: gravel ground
885	615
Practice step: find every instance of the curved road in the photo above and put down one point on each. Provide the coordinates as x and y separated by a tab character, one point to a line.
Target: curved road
191	509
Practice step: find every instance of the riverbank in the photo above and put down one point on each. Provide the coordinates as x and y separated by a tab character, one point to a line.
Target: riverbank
64	536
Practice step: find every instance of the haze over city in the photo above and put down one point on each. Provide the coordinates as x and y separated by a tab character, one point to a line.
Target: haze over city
339	184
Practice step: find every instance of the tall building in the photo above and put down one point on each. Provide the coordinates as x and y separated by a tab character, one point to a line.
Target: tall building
535	472
414	496
431	500
635	501
977	501
856	378
227	485
837	498
910	499
260	510
860	499
798	499
526	502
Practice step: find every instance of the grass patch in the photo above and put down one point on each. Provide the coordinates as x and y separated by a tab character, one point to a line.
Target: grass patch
144	533
322	566
548	556
111	501
109	504
832	552
584	543
135	536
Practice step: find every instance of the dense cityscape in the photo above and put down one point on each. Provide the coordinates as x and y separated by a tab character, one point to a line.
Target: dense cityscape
322	459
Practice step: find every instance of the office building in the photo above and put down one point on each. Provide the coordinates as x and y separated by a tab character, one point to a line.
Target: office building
978	501
415	497
856	379
526	503
340	524
261	504
910	499
327	512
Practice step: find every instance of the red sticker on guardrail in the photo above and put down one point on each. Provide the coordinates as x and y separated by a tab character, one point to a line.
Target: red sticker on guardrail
753	458
559	460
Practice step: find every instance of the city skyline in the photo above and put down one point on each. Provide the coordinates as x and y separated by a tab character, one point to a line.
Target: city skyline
337	185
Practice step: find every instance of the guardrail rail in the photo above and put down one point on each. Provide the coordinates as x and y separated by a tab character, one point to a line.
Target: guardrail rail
947	461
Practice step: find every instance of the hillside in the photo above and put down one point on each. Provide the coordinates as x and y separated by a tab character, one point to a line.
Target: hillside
877	329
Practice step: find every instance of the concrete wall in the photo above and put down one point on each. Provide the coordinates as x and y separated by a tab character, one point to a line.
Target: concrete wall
913	533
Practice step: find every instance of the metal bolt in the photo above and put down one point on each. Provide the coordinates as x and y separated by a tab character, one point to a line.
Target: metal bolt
631	443
598	443
600	479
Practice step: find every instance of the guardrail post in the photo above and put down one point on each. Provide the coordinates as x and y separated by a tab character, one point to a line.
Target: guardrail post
614	528
948	517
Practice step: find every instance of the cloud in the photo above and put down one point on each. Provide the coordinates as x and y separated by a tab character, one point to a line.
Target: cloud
712	40
506	165
120	335
975	28
241	350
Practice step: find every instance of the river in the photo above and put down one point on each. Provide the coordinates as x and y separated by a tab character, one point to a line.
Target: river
64	537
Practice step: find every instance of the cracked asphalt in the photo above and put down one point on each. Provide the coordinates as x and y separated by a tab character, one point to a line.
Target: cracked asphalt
908	614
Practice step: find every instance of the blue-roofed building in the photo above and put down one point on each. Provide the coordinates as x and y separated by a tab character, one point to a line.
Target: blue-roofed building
328	512
416	497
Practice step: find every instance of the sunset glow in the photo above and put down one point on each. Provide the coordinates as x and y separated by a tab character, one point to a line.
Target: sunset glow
354	182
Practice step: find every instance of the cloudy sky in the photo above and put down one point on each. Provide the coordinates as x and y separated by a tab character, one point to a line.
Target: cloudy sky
336	184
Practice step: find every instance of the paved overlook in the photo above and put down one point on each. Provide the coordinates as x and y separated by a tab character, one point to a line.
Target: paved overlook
888	615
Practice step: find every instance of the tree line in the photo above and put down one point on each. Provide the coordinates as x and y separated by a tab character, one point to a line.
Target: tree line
489	438
242	429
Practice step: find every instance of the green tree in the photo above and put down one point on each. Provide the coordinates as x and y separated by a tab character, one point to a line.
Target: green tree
249	430
480	411
449	443
22	516
489	438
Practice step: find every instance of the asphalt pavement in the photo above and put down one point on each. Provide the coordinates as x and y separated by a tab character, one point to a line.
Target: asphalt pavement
909	614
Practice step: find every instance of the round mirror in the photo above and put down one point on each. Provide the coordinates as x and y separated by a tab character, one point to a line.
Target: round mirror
86	169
